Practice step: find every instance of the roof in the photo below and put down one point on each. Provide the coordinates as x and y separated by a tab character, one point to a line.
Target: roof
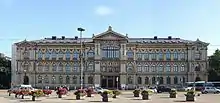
111	34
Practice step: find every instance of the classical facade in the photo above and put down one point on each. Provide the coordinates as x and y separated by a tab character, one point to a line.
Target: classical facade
110	59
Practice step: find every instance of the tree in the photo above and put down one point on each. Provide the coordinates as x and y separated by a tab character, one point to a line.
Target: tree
5	72
214	63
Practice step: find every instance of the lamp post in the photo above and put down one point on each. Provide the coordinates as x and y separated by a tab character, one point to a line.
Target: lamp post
42	82
117	82
53	80
81	57
25	77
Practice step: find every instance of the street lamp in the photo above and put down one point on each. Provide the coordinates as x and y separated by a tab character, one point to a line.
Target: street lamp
81	57
117	82
42	82
53	80
25	81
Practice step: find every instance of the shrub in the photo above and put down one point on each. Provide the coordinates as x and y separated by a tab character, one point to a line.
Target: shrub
116	92
80	92
136	91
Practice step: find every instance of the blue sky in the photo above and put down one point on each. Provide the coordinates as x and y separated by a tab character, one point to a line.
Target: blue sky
37	19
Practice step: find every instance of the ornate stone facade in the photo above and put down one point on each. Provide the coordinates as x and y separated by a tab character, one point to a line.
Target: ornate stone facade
110	59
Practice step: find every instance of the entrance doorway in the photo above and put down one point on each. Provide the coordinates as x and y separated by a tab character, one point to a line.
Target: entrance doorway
110	82
26	80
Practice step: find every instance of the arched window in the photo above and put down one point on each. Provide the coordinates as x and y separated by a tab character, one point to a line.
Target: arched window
90	67
139	80
153	55
60	79
153	80
68	55
54	55
40	67
60	67
160	69
130	54
75	67
46	79
182	69
146	80
67	79
175	80
175	68
47	67
139	68
161	80
168	80
90	54
182	55
146	56
54	67
168	68
175	55
146	68
75	55
74	79
60	55
168	56
53	79
130	80
68	70
160	55
47	55
129	67
40	55
139	55
90	80
39	79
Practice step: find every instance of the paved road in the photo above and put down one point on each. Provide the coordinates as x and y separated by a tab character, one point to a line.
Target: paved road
126	97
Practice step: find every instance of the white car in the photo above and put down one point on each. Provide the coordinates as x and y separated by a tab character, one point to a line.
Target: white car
210	90
100	90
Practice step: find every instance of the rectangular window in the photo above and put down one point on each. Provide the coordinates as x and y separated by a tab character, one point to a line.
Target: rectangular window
47	68
153	68
139	69
175	68
168	69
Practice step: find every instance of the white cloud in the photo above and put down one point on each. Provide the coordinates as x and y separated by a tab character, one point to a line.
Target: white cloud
103	10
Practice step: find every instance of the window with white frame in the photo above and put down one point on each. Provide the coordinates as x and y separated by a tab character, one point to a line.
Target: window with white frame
139	68
146	68
168	69
175	68
153	68
182	69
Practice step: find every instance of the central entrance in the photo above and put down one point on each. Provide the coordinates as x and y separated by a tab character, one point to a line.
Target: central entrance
110	82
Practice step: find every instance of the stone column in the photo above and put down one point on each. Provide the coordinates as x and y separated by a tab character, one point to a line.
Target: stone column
123	51
97	80
97	51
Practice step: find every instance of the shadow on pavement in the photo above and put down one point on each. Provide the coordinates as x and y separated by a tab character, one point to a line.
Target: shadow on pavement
137	99
72	99
22	100
164	97
179	101
98	101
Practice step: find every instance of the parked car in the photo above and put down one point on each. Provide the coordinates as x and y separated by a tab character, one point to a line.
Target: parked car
161	89
210	90
99	90
154	89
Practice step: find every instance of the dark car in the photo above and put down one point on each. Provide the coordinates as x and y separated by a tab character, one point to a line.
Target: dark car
161	89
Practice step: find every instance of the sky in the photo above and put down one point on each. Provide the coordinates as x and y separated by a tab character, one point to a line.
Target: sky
37	19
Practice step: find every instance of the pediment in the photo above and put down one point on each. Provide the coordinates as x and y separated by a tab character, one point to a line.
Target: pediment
110	35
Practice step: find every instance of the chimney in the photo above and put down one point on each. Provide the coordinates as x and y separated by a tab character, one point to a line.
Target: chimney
54	37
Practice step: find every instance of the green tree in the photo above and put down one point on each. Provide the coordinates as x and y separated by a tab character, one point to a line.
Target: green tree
214	63
5	72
